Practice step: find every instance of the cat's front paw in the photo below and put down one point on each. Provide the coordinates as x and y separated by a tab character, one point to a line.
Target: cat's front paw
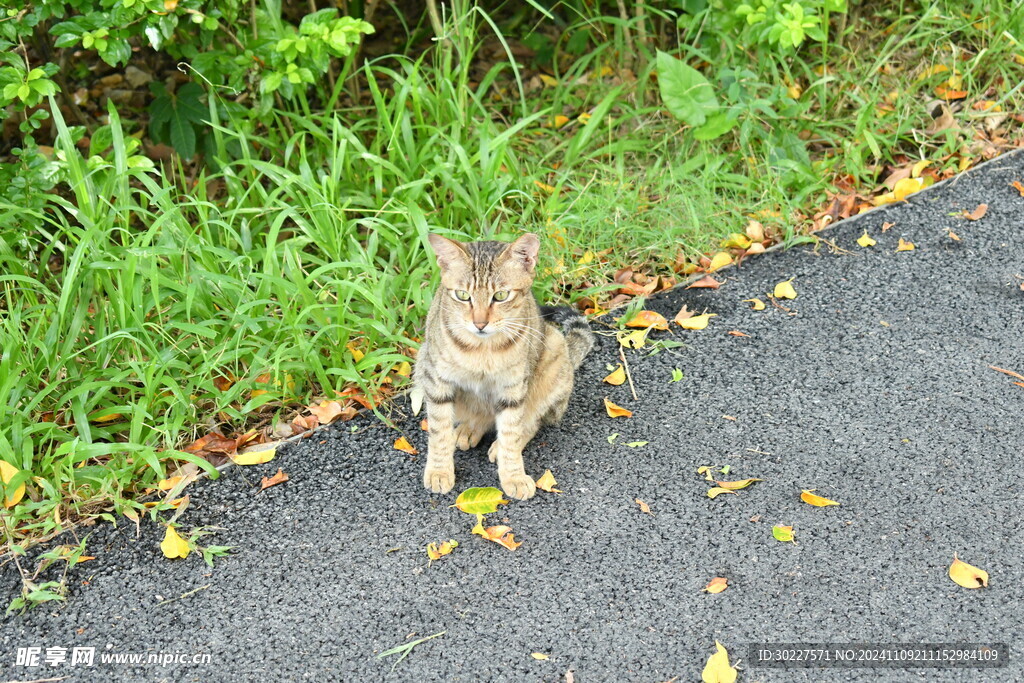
518	486
468	435
439	479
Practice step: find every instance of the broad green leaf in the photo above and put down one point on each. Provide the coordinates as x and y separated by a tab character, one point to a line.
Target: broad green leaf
686	93
480	500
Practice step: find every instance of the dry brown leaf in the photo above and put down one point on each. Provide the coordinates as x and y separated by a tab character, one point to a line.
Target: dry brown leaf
1011	373
326	411
706	282
886	225
977	214
402	444
1016	184
737	333
716	585
737	485
615	410
953	235
278	478
644	507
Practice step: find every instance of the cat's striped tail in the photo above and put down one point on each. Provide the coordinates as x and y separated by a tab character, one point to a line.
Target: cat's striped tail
578	338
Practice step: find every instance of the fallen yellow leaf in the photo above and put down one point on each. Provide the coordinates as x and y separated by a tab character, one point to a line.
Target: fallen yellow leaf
737	485
254	457
544	186
717	491
480	501
785	290
716	585
547	482
696	322
616	411
560	120
755	304
865	240
718	669
357	355
719	260
815	500
1017	185
174	545
7	472
633	340
616	377
436	552
402	444
539	656
500	534
918	168
649	319
905	246
966	575
736	240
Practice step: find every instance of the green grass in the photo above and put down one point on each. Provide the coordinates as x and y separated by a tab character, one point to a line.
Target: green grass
135	291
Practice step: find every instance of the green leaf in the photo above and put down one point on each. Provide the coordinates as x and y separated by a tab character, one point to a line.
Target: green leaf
637	444
677	375
480	500
783	533
183	136
686	93
717	124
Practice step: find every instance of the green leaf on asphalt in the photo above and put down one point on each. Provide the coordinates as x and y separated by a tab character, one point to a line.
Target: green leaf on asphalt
686	93
677	375
407	648
783	533
480	500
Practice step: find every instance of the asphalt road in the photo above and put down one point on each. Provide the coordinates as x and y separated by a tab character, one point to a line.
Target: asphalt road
875	390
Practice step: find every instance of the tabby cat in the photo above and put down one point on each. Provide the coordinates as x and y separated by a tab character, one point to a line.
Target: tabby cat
492	358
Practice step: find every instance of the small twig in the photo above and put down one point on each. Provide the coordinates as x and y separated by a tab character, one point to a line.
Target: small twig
629	375
183	595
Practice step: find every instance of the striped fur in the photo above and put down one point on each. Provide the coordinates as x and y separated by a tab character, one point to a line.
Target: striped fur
492	359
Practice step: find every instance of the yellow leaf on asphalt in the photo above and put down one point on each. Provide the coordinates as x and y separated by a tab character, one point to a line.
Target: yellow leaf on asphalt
785	290
616	377
437	551
633	340
7	472
865	240
697	322
719	260
402	444
755	304
174	545
650	319
908	186
783	533
905	246
616	411
815	500
547	482
716	585
718	669
737	485
254	457
539	656
967	575
501	534
717	491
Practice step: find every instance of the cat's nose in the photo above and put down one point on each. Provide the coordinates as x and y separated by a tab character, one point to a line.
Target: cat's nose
480	326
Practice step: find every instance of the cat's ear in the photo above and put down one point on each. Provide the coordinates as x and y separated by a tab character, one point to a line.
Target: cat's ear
524	251
449	252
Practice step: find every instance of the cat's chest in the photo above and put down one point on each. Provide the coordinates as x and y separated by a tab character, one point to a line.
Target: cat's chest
484	385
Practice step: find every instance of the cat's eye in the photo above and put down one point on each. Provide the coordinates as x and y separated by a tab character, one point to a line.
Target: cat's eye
462	295
501	296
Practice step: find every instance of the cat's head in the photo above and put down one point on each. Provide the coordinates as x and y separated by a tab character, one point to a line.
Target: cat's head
486	286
